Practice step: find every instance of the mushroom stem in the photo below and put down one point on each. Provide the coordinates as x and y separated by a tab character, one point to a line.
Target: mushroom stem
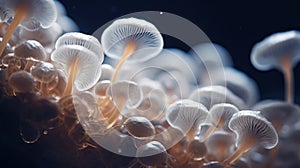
211	130
288	75
129	49
20	14
72	74
244	147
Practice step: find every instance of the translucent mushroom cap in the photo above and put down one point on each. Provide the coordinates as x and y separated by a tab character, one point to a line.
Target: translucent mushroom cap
44	72
220	114
152	154
215	94
251	126
80	39
41	13
21	81
239	83
186	114
279	112
87	64
139	127
30	48
125	94
144	35
268	53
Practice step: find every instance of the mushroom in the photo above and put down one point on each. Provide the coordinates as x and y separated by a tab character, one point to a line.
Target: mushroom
219	116
279	51
140	128
279	113
152	154
44	73
196	150
186	115
132	39
21	82
82	65
211	58
31	51
80	39
30	14
252	130
220	145
239	83
215	94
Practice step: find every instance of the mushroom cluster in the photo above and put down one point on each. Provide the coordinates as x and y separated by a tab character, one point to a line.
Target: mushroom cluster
161	106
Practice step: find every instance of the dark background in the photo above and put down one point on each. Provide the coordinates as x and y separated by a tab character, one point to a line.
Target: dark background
235	25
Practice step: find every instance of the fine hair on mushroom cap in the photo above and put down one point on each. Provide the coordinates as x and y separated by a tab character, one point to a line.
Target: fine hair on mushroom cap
132	39
80	39
215	94
30	14
186	115
252	130
279	51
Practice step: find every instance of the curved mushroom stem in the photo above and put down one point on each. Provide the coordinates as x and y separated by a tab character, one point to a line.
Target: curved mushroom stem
129	49
73	70
244	147
211	130
20	14
289	81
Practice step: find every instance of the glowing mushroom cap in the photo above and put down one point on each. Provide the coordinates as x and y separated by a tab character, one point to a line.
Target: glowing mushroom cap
186	114
31	48
147	39
125	93
221	113
279	112
88	64
21	81
152	154
44	72
139	127
41	13
215	94
80	39
251	126
268	53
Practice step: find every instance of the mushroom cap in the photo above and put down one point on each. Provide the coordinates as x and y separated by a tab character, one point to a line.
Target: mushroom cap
186	114
212	55
145	35
80	39
152	154
21	81
44	72
88	63
139	127
239	83
251	125
46	36
41	13
268	53
221	113
197	147
279	111
152	106
107	72
30	48
125	94
215	94
218	141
